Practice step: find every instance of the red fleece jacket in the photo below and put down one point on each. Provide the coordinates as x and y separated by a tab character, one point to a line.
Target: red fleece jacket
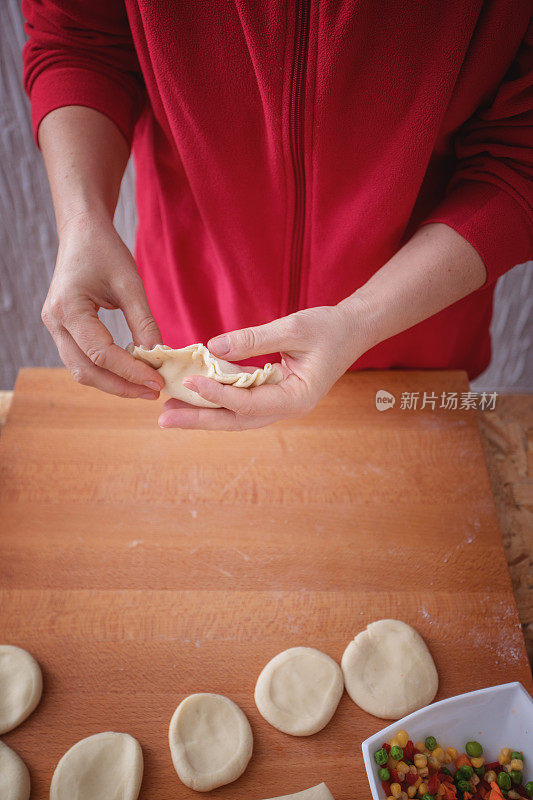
285	150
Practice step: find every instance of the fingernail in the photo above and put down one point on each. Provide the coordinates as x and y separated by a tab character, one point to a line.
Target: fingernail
148	396
220	343
153	385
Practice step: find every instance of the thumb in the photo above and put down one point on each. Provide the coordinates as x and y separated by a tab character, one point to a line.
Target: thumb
143	327
274	337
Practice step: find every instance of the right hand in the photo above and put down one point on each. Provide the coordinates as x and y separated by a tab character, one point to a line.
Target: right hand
94	269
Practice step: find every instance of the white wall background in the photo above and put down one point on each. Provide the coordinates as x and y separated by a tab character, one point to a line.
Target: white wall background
28	246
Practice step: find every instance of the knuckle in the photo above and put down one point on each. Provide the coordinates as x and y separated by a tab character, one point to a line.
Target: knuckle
294	326
80	375
97	355
147	324
246	406
247	338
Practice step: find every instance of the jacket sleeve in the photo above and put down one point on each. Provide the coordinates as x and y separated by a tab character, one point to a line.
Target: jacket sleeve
81	52
490	196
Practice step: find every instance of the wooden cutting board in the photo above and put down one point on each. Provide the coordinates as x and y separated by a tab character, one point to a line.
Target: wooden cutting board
139	565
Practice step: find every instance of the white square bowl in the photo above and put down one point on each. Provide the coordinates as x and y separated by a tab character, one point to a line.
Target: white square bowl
496	717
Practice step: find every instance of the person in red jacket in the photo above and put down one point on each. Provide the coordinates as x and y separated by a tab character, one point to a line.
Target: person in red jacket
340	182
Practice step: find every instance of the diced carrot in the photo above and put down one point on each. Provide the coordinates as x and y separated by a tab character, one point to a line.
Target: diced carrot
462	761
467	796
495	792
450	790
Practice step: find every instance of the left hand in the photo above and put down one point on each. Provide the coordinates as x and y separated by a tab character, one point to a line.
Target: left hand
317	346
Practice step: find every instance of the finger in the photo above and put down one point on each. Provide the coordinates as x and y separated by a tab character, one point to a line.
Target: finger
94	339
143	327
85	372
282	399
210	419
274	337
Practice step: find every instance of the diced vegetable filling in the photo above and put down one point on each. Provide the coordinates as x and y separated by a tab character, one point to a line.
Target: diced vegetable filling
428	771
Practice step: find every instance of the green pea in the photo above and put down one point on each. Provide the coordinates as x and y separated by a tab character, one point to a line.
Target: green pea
529	788
517	754
445	770
465	773
473	749
464	786
480	771
381	756
430	742
384	774
427	796
396	753
516	776
504	780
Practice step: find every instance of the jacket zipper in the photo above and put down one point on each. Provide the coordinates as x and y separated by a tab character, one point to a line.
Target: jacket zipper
296	135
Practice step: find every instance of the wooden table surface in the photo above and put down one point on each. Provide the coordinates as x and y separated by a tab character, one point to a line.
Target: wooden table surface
141	565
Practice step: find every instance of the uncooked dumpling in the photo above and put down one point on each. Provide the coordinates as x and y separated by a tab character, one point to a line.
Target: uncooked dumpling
388	670
210	741
14	775
175	365
299	690
320	792
106	766
21	686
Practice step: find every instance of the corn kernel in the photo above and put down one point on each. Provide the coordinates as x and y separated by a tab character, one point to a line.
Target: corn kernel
420	746
390	797
401	776
423	772
438	752
505	755
422	789
402	737
434	762
452	752
447	758
441	790
395	789
513	795
394	742
412	769
474	779
391	763
404	796
402	767
418	782
411	791
490	776
420	760
477	762
517	764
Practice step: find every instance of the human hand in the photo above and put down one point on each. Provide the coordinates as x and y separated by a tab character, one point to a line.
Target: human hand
94	269
317	346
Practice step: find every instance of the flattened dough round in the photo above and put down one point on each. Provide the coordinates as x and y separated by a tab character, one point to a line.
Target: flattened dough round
319	792
210	741
299	690
106	766
14	775
21	686
388	670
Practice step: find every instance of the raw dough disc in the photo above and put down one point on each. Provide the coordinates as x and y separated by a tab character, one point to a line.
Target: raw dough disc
21	686
299	690
210	741
14	775
320	792
388	670
106	766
